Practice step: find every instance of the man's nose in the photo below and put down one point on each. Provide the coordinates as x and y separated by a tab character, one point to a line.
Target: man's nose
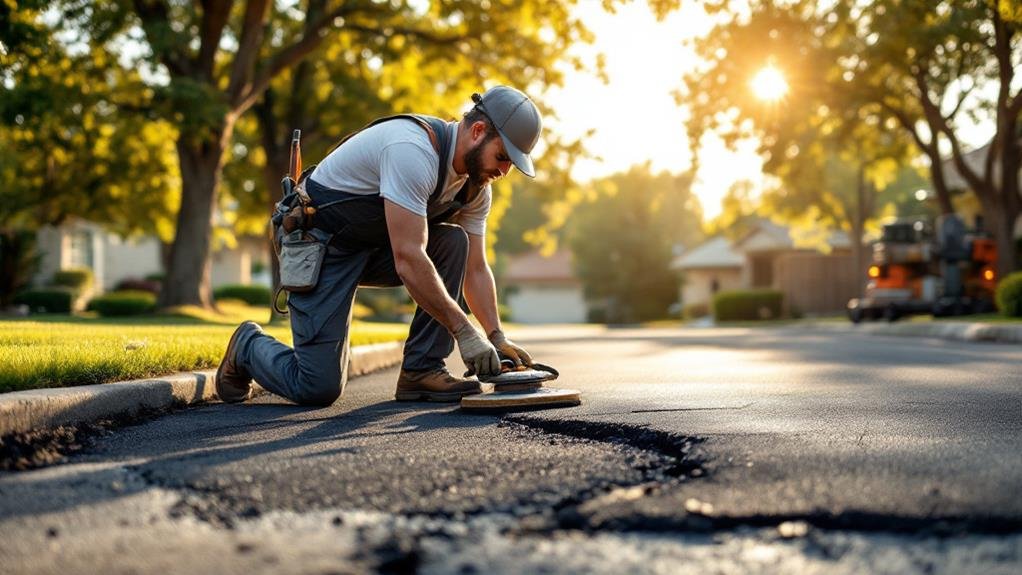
504	167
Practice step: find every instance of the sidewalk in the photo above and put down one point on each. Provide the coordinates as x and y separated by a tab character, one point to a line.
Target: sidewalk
953	330
36	409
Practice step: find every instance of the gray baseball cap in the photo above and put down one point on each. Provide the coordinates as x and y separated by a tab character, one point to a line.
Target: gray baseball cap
517	121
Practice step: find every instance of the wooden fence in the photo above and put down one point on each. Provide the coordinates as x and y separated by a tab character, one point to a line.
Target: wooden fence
815	283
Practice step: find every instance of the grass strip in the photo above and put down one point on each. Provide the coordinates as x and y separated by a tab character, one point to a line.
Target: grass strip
61	351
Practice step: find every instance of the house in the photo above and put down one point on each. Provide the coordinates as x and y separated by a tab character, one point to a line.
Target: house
113	259
542	289
976	160
767	257
709	268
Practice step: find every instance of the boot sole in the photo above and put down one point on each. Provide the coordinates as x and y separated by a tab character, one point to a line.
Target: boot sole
223	363
434	396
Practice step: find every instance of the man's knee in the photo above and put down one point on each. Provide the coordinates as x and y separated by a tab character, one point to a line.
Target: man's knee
319	389
319	396
451	239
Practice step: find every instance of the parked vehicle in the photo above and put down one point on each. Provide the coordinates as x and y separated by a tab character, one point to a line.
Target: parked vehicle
919	269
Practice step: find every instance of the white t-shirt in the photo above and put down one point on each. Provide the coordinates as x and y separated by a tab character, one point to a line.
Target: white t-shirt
396	160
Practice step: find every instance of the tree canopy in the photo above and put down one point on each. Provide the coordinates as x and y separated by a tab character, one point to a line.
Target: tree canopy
66	146
863	79
623	238
327	66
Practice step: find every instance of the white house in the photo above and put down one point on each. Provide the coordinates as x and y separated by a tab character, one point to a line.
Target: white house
767	257
711	267
113	259
541	289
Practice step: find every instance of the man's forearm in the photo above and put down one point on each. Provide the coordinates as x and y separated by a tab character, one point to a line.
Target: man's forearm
481	297
423	283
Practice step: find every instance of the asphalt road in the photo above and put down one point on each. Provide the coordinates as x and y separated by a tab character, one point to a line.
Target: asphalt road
715	450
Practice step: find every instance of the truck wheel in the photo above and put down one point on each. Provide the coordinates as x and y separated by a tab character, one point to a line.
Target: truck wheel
891	313
855	315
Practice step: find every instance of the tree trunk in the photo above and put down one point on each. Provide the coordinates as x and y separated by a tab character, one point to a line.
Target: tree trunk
1011	163
940	184
1000	224
17	262
273	171
858	228
188	274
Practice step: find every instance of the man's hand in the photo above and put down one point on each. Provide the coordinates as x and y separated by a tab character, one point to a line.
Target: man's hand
480	357
510	349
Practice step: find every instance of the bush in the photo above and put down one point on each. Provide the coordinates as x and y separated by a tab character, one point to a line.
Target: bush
1009	295
385	304
122	303
75	278
47	300
135	284
695	310
746	305
252	295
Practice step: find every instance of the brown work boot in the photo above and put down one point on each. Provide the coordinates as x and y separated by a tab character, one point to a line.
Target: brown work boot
233	384
436	385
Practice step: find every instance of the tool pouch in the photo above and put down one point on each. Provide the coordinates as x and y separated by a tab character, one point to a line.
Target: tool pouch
301	259
300	247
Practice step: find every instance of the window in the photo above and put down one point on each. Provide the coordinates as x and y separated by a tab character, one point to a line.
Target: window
81	249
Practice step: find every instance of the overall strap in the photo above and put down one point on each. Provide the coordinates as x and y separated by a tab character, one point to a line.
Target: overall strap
439	137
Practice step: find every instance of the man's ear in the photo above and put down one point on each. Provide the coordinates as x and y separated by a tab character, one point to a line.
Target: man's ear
478	130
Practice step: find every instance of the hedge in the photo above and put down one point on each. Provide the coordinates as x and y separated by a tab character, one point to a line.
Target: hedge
47	300
135	284
123	303
1009	295
747	305
252	295
74	278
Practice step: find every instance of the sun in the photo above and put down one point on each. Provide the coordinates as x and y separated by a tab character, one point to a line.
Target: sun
769	84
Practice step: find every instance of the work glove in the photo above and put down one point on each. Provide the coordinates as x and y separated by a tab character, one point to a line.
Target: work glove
510	349
479	355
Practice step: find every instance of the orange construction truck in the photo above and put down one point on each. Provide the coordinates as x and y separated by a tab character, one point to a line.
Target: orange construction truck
921	269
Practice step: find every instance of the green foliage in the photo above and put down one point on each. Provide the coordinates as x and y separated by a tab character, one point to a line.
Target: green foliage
250	294
622	241
747	305
82	351
76	279
70	140
385	304
47	300
871	84
123	303
1009	295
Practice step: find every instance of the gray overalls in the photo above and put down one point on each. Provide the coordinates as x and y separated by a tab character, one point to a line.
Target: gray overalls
314	372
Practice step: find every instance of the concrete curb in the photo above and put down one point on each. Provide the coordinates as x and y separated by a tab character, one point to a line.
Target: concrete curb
35	409
952	330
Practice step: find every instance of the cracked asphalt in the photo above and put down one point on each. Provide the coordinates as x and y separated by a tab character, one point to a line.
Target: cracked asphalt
713	450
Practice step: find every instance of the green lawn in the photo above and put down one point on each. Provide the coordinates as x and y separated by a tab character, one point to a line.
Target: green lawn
61	350
978	318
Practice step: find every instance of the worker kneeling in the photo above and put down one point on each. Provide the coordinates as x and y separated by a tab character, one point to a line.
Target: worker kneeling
402	201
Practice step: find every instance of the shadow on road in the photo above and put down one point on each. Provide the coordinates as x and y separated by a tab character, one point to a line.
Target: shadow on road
218	435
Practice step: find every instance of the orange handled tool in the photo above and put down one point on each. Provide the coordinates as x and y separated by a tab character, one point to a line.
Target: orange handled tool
295	166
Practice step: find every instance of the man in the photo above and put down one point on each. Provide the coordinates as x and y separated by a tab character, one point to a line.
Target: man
399	208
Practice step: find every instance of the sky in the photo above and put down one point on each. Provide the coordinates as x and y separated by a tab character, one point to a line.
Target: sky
635	115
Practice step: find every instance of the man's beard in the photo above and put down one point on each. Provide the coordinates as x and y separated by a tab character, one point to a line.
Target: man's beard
474	164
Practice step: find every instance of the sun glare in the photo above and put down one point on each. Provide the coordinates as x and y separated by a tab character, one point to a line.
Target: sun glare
769	84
